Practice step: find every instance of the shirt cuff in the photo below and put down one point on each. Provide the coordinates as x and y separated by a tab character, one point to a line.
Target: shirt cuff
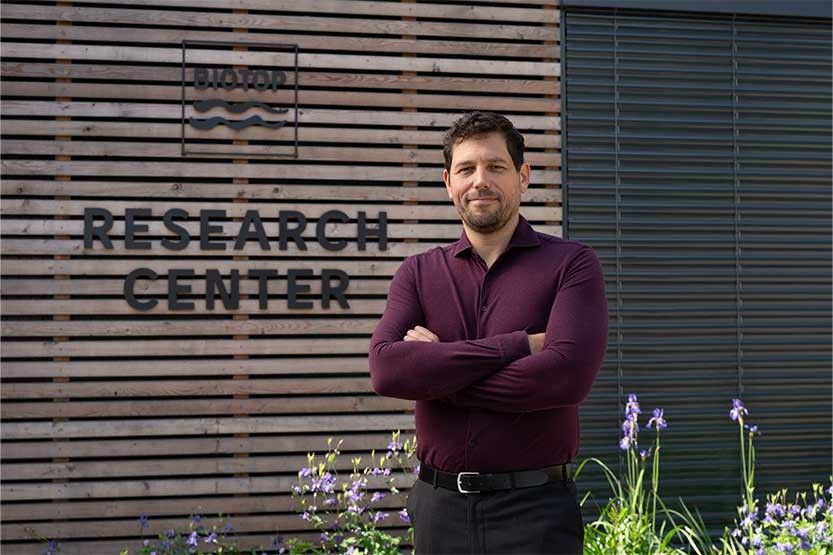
513	346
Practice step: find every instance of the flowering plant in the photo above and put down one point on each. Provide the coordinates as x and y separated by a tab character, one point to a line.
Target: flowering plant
199	538
347	513
628	523
803	526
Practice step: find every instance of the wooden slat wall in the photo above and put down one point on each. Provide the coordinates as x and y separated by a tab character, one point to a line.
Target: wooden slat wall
109	412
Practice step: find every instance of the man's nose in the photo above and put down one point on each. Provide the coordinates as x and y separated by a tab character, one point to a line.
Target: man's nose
481	179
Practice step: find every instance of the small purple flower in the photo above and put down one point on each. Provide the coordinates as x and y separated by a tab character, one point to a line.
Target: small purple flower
143	520
305	472
380	516
416	469
330	501
658	419
625	443
775	509
351	551
403	516
377	496
171	533
212	538
632	404
196	518
306	516
146	542
228	528
643	454
51	548
738	410
192	539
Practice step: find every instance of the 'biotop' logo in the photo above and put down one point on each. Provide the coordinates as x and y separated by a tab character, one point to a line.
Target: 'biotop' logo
239	101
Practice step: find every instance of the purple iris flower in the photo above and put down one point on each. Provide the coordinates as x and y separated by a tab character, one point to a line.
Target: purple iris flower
658	419
143	520
738	410
403	516
377	496
192	539
380	516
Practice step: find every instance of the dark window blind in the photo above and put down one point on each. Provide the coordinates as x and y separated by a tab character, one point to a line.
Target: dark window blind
698	166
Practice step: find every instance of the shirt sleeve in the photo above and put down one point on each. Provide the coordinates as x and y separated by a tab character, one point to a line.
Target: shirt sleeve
419	370
575	345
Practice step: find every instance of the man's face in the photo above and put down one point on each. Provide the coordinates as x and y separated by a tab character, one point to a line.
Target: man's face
483	182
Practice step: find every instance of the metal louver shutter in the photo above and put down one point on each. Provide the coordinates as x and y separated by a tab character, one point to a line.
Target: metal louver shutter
698	166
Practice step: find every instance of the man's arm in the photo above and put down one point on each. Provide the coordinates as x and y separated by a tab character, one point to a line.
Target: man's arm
420	370
575	344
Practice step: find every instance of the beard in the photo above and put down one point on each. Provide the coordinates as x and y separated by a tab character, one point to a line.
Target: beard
486	219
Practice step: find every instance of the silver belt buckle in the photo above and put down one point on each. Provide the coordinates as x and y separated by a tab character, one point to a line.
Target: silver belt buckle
460	485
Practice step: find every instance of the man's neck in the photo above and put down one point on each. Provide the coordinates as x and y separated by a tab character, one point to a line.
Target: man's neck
491	245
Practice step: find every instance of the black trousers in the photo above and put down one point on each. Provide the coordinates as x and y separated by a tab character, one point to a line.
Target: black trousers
539	520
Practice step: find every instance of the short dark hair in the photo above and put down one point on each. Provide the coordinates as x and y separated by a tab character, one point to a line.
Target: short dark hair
478	124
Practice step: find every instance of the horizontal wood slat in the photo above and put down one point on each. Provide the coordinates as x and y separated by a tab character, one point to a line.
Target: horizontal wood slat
305	60
120	307
533	31
356	404
151	130
172	93
203	426
341	43
354	8
208	367
311	211
183	446
305	116
173	76
172	150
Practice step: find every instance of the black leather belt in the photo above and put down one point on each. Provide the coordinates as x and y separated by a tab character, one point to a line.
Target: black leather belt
475	482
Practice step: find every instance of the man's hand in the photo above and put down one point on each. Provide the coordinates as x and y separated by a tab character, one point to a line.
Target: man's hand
536	342
421	334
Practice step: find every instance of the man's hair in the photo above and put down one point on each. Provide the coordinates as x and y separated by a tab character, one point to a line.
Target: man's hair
479	124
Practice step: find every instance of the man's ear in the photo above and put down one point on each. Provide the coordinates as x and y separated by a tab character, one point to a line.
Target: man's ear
447	181
525	172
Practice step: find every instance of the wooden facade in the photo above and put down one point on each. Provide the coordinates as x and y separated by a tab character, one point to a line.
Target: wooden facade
109	411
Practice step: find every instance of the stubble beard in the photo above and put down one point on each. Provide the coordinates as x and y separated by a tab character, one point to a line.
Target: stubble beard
486	221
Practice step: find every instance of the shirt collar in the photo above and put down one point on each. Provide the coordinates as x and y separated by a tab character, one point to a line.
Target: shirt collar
524	236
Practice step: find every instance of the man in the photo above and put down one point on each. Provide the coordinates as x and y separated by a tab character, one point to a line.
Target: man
498	337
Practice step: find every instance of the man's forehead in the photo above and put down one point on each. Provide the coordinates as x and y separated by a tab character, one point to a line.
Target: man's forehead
499	153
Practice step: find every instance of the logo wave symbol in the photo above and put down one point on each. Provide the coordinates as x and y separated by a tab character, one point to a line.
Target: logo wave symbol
236	108
211	123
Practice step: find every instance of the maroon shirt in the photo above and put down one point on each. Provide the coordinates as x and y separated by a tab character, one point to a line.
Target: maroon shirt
483	402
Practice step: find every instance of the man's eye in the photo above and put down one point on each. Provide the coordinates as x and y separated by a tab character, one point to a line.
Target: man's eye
498	168
465	170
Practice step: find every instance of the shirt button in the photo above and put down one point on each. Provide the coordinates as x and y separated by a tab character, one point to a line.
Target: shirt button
483	308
